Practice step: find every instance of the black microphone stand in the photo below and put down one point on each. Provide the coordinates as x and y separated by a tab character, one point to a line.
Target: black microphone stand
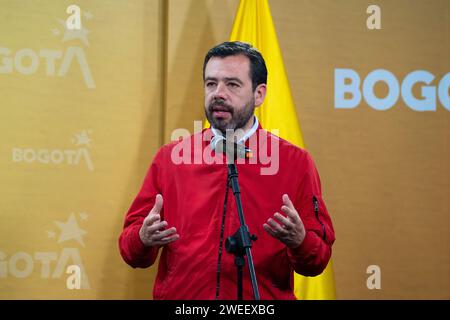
240	242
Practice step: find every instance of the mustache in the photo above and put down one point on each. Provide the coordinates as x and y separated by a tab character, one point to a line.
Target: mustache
220	105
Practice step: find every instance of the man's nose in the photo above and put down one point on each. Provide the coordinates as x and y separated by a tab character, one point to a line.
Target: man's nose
220	92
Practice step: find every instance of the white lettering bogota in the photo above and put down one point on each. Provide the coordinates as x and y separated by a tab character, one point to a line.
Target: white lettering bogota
22	264
27	61
47	156
348	92
57	156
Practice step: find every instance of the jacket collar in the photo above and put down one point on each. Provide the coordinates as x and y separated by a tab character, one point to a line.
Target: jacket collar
217	135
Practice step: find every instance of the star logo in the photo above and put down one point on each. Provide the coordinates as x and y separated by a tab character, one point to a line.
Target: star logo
82	138
75	34
70	230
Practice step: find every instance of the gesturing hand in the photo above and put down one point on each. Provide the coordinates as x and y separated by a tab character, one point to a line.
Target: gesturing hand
152	232
290	229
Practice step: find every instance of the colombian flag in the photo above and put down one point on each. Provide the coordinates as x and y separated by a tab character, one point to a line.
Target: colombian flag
253	24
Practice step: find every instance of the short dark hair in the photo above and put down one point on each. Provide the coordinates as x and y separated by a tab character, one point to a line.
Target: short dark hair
258	70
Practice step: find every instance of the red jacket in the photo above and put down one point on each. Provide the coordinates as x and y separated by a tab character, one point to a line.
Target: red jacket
194	197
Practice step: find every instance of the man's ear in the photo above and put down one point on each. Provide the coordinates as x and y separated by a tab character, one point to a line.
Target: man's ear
260	94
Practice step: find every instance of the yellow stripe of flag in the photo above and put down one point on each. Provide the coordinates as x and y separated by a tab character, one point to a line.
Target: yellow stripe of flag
253	24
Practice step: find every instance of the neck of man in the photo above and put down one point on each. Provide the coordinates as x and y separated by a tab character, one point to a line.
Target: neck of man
240	134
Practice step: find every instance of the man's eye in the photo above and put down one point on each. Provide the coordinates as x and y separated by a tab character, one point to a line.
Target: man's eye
210	84
232	84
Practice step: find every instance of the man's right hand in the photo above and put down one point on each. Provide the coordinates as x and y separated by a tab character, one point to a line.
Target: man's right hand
152	232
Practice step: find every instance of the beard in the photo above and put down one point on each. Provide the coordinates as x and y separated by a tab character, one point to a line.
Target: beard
239	116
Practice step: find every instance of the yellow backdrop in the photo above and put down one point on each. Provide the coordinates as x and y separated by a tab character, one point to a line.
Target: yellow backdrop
82	112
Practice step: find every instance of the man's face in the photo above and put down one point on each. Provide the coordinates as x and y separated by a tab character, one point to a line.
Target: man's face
229	96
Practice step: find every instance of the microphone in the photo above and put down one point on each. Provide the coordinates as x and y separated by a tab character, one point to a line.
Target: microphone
233	150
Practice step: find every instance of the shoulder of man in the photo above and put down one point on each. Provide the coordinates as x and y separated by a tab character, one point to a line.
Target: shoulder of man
286	146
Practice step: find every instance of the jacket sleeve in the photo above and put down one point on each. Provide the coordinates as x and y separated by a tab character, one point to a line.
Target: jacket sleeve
313	254
133	251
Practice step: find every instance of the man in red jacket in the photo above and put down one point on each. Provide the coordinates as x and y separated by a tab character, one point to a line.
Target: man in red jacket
184	206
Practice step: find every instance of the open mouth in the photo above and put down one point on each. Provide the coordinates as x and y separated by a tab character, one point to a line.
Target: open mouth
220	113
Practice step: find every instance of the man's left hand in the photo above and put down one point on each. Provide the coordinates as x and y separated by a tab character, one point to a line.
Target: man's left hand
288	229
